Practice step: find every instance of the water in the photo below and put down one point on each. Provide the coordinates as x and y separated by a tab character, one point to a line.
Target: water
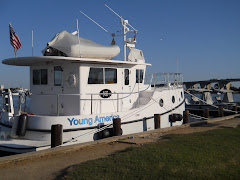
16	104
236	97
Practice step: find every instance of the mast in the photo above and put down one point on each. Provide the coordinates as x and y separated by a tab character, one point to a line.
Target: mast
127	42
124	24
130	42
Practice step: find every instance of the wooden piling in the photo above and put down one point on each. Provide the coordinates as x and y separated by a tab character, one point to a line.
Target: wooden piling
206	113
238	109
117	127
235	109
56	135
220	111
157	121
185	116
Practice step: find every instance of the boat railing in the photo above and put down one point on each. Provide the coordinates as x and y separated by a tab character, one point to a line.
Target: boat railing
89	99
167	80
19	102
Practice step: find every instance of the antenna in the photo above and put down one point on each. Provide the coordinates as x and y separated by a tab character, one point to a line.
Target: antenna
119	16
125	31
177	64
94	21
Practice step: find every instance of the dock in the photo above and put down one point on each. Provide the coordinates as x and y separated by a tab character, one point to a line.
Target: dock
49	164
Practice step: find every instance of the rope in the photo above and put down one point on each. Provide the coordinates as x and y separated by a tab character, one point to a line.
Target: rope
197	117
200	99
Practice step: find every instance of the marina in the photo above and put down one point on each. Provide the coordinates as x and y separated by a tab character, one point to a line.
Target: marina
130	90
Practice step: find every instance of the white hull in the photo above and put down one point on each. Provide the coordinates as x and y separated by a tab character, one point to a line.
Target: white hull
82	128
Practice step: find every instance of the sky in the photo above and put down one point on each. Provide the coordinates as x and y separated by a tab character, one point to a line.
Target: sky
204	35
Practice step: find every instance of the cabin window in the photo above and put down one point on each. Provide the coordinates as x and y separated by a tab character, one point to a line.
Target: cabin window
44	76
102	76
139	75
57	75
126	76
95	76
36	77
110	76
40	77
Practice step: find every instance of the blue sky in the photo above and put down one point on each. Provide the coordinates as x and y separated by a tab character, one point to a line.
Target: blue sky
203	34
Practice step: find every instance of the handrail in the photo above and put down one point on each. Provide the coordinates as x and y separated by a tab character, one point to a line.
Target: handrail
169	79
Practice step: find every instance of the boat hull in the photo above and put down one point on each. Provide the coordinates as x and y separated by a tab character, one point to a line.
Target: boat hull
84	128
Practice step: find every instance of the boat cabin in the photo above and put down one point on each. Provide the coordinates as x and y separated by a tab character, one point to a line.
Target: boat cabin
77	86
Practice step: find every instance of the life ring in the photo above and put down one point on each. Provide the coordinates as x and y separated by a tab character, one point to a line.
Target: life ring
72	80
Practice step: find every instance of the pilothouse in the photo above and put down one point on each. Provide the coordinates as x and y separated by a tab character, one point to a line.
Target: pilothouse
78	85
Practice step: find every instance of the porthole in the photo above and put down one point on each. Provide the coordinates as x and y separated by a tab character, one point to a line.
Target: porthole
161	102
173	99
181	95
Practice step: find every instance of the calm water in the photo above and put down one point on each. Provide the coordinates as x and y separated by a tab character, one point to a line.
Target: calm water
16	103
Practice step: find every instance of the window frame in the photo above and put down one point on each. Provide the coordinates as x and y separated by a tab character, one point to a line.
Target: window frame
41	80
126	77
114	78
36	77
139	72
44	80
104	80
59	70
98	79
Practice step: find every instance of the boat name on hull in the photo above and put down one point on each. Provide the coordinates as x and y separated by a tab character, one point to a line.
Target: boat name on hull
90	121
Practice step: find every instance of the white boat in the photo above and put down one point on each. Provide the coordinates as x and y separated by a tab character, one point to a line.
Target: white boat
84	94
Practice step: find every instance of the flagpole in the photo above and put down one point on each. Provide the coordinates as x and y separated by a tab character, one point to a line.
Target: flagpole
78	39
177	64
15	52
32	42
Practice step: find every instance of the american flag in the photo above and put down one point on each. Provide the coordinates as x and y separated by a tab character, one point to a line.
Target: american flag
14	40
